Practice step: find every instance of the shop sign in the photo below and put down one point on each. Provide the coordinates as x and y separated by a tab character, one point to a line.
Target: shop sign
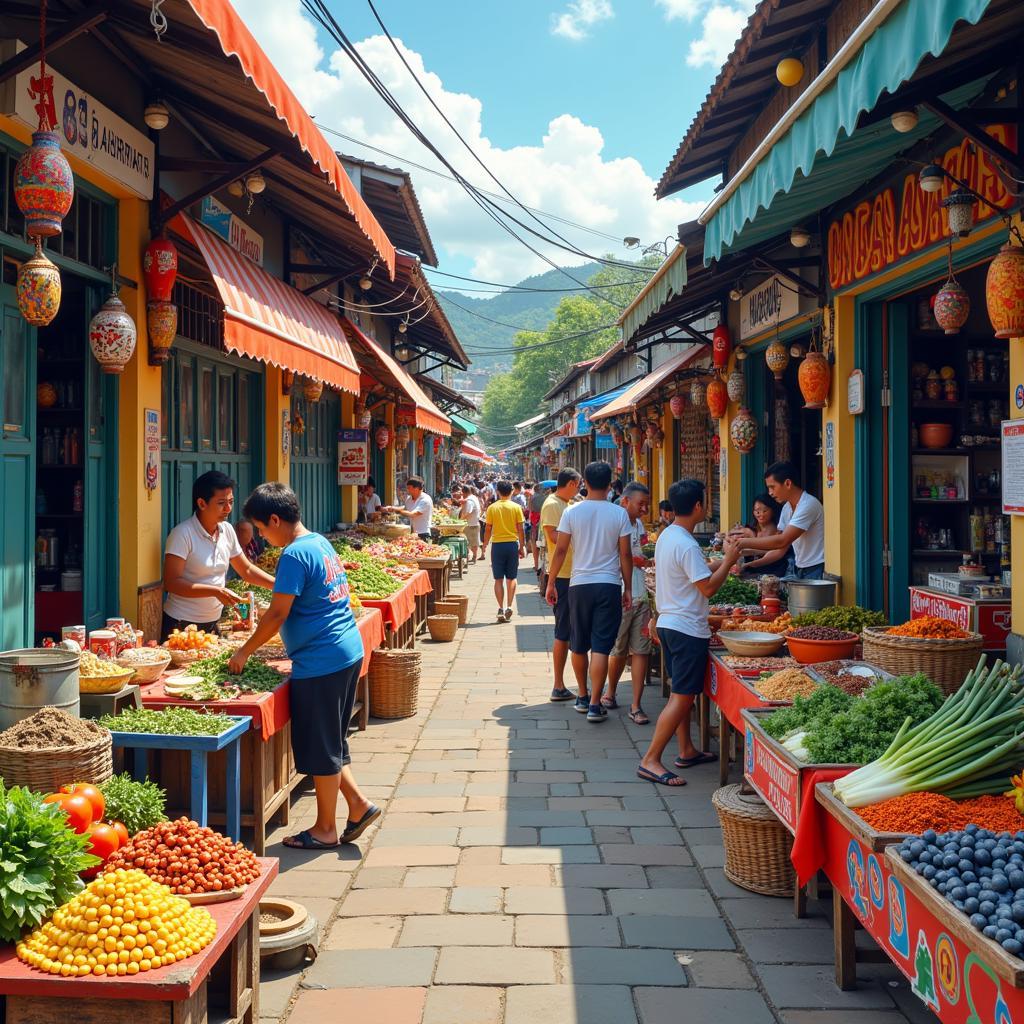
581	425
1013	467
855	393
218	218
767	305
776	781
830	455
941	606
353	457
405	416
606	441
903	220
87	129
151	476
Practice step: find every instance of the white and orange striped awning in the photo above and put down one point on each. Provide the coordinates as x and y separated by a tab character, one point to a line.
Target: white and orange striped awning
267	319
474	454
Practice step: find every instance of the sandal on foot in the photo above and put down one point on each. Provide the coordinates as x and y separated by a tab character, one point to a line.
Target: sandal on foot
305	840
691	762
665	779
610	703
354	829
638	716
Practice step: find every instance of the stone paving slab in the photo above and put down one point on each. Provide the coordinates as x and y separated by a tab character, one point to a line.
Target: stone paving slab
569	1004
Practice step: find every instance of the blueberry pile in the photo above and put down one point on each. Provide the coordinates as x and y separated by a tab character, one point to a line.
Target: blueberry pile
981	873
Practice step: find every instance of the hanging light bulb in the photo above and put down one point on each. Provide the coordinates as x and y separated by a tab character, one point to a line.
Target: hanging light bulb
799	238
931	178
255	183
789	71
735	294
236	189
402	353
403	327
365	283
904	120
156	116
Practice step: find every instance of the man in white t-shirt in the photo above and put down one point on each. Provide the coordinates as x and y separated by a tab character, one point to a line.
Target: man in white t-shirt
197	555
802	523
601	584
683	584
469	509
418	509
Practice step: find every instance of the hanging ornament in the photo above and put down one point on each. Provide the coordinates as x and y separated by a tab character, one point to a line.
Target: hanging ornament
721	346
420	446
677	406
959	207
741	355
401	436
736	385
162	328
46	395
160	269
382	436
112	333
952	303
776	355
312	389
717	397
1004	292
38	289
698	391
635	436
815	380
743	432
363	417
651	430
287	381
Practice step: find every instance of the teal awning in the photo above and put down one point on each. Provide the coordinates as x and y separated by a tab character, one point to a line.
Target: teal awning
464	425
668	282
823	157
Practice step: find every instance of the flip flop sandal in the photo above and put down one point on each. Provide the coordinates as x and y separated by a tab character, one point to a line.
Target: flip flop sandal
636	714
665	779
354	829
305	840
610	703
691	762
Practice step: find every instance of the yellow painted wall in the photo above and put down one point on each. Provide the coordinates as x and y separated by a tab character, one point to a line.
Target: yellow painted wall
275	405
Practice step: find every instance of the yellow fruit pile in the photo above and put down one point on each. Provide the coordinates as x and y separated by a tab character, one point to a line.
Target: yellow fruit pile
120	924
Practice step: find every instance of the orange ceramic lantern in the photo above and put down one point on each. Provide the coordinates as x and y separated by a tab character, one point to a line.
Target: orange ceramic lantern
162	326
717	397
46	395
1004	292
312	390
776	355
815	379
38	289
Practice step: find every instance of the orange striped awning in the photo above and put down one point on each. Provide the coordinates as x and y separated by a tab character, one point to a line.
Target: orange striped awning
267	319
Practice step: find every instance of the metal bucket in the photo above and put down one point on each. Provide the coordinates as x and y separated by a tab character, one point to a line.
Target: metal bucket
36	678
810	595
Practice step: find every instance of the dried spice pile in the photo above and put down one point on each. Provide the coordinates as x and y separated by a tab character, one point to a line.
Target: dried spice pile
929	627
917	812
786	685
836	673
49	728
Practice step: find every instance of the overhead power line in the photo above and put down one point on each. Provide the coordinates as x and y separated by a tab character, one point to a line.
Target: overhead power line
531	330
516	287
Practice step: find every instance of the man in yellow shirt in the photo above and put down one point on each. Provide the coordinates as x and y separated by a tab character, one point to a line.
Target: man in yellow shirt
568	485
504	532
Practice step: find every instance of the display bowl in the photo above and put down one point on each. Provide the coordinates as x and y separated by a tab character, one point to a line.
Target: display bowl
807	652
111	683
145	671
751	645
935	435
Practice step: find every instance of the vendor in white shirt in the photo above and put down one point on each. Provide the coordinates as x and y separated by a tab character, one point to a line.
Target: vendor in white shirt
197	556
369	500
801	524
419	507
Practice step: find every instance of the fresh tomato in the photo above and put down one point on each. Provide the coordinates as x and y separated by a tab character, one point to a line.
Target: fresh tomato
77	809
92	794
103	840
122	832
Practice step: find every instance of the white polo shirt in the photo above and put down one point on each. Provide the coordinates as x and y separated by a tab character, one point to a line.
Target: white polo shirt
422	509
207	560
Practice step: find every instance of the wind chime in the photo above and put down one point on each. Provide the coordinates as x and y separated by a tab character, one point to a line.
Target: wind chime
44	189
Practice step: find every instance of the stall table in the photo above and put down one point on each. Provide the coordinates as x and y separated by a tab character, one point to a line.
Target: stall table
220	983
404	612
459	548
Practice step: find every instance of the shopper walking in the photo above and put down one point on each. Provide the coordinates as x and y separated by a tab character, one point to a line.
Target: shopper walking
310	607
540	495
601	583
568	484
683	584
504	532
633	641
470	511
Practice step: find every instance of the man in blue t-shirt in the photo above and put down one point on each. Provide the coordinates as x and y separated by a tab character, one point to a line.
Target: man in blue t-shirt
310	608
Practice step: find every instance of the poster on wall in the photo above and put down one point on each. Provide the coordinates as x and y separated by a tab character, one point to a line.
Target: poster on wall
405	416
353	457
1013	467
152	436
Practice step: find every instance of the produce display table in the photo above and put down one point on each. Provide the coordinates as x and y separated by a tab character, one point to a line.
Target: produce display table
220	983
459	548
198	747
439	570
963	977
404	611
268	768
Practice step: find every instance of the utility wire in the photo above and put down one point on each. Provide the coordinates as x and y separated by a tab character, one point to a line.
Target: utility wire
520	327
516	287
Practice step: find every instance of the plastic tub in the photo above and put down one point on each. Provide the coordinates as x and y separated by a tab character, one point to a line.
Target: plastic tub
807	652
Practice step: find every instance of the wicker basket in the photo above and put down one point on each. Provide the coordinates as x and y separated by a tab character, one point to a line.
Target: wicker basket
448	606
945	662
757	845
105	684
461	601
443	627
450	529
394	683
45	771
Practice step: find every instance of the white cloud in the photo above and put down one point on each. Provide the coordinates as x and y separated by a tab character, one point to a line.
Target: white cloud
575	22
722	23
682	9
561	169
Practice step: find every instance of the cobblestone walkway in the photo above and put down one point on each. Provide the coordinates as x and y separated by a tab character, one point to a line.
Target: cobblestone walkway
523	874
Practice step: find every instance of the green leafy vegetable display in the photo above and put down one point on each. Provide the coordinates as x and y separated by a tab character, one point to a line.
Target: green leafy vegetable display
806	712
257	676
40	858
169	722
241	588
852	618
736	591
365	575
138	805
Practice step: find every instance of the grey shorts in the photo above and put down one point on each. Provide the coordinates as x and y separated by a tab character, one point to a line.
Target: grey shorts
473	537
633	637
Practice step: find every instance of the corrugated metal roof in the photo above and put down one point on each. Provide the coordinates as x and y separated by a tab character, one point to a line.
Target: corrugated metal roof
670	280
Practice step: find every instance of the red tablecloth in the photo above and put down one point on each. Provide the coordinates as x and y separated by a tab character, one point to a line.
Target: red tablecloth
722	685
400	606
270	712
809	846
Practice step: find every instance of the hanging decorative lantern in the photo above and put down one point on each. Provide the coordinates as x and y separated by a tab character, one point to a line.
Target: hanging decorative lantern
38	289
952	306
815	379
401	436
160	269
736	385
743	432
636	436
717	397
776	355
698	390
437	444
420	446
312	390
651	430
721	346
44	186
46	395
677	406
741	355
383	436
162	327
1004	292
959	207
659	437
112	333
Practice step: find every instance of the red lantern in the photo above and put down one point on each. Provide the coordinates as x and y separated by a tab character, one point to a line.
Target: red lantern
717	397
160	269
677	405
383	436
721	346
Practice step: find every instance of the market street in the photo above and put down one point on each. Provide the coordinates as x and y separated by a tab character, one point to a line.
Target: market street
522	873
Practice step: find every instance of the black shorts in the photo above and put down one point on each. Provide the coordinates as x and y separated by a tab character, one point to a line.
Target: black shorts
167	625
321	707
595	614
563	629
686	660
505	560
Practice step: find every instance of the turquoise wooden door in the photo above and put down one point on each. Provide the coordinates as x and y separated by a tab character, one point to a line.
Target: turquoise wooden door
314	464
17	473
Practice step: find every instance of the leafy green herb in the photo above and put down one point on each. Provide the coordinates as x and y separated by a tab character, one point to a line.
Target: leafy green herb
736	591
40	858
849	617
168	722
241	588
257	676
825	702
138	805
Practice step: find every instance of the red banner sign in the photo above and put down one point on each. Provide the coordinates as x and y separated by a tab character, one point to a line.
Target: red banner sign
888	227
942	606
777	782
